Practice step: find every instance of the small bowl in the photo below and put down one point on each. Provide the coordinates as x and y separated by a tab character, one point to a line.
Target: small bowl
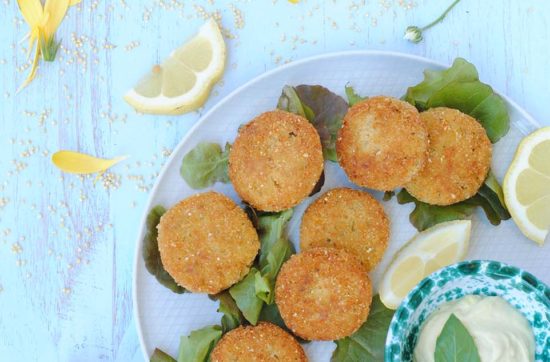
525	292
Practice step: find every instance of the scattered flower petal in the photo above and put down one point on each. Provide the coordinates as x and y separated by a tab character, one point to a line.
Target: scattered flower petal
80	163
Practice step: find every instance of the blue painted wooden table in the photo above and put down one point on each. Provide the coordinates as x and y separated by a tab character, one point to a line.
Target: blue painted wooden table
67	242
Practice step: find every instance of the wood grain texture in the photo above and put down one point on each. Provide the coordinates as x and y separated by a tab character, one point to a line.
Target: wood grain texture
67	244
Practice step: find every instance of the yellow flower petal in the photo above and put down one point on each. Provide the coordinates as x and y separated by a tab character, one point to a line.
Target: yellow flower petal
294	1
32	11
32	74
74	2
80	163
55	10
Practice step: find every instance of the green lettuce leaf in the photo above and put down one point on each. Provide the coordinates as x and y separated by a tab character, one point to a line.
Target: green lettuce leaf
257	289
324	109
244	294
424	215
161	356
275	249
197	346
151	254
290	101
205	165
353	98
367	344
435	80
270	313
232	316
455	343
271	228
459	87
489	197
264	289
491	191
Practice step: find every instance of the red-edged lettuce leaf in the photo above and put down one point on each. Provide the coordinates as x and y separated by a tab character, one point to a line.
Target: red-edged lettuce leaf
323	108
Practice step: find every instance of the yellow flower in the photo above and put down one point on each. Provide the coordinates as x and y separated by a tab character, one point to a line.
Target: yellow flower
43	22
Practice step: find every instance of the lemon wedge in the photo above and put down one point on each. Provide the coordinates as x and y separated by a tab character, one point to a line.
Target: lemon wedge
182	82
434	248
526	186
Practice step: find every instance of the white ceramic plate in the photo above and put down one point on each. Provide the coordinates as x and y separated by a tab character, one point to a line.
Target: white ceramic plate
162	316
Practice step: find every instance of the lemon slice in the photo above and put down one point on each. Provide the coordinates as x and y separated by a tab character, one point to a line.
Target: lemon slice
527	185
183	82
430	250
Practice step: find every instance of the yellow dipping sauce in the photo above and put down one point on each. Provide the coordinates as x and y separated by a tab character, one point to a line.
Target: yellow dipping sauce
501	333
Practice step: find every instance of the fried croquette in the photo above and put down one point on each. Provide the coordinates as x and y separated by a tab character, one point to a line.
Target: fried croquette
207	243
323	293
382	144
276	161
264	342
347	219
459	158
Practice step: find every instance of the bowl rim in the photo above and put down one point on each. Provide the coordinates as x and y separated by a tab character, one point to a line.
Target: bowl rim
544	294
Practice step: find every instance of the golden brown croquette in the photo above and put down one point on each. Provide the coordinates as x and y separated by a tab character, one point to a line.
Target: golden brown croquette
323	293
207	243
275	161
382	144
264	342
459	158
347	219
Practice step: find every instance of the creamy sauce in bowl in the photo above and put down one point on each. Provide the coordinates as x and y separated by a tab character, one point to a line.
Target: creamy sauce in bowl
500	332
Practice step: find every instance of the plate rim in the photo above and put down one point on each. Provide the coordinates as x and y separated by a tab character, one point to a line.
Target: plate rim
227	98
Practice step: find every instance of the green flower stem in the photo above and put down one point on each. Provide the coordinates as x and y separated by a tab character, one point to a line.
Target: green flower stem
442	16
49	48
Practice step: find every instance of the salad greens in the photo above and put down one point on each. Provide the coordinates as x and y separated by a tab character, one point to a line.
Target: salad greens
459	87
323	108
353	97
205	165
455	343
151	253
232	315
257	289
160	356
196	347
290	101
246	296
489	198
367	344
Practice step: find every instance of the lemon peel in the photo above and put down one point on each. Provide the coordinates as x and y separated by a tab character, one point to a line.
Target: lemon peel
82	164
43	22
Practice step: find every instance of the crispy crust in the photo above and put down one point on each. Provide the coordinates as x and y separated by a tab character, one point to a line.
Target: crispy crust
276	161
264	342
323	294
207	243
347	219
382	144
459	158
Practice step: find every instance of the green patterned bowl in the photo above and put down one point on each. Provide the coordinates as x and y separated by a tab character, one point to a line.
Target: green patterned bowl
491	278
